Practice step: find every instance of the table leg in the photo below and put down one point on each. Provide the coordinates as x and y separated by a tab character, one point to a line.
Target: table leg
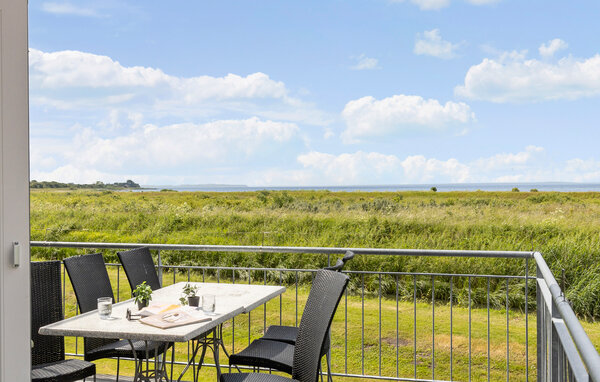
159	373
214	344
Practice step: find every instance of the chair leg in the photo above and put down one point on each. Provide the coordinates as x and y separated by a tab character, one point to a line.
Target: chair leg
118	364
172	359
328	358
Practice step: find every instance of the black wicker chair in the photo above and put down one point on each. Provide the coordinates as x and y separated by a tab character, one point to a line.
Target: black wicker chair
325	294
48	363
139	267
90	281
252	355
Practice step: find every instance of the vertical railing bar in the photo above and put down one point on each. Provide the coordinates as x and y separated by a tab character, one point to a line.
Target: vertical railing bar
280	298
249	321
265	305
433	328
469	328
507	338
64	290
160	266
233	318
203	273
397	333
488	329
118	285
188	275
218	275
451	324
415	324
527	319
296	298
380	324
346	331
174	272
362	325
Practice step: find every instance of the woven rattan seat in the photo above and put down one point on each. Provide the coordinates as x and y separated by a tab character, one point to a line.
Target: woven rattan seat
139	267
267	354
323	299
90	281
65	370
254	377
48	362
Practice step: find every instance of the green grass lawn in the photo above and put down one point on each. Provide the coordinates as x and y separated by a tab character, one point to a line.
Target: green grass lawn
363	349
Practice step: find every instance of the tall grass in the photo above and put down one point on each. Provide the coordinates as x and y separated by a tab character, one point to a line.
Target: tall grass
565	227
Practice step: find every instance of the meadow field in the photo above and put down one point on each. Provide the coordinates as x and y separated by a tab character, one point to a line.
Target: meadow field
565	227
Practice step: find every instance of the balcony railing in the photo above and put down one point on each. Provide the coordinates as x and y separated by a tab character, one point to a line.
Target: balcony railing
412	326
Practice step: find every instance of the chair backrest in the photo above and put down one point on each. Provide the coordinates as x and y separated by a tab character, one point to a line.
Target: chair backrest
139	267
46	308
323	299
89	279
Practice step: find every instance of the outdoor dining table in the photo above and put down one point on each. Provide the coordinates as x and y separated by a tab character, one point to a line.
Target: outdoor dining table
231	300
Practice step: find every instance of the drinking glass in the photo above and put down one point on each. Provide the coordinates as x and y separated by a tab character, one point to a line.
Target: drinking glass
105	307
208	303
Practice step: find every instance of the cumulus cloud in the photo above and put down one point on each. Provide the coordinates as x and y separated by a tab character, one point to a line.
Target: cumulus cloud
365	63
430	43
514	78
76	69
80	81
532	164
401	114
173	148
547	50
376	168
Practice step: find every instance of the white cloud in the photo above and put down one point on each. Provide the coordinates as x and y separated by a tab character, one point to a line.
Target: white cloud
430	43
530	165
400	114
76	69
68	9
365	63
167	149
482	2
78	81
429	5
553	46
514	78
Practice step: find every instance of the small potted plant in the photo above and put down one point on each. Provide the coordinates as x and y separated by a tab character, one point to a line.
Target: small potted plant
190	291
143	295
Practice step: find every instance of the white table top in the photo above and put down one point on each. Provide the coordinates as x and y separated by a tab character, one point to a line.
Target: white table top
231	300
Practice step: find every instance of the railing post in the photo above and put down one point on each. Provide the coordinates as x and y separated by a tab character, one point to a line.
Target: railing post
541	350
555	347
160	270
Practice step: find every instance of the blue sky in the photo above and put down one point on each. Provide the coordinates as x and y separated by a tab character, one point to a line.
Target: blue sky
303	93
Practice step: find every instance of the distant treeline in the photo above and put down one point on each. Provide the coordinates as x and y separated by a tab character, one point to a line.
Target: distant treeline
98	185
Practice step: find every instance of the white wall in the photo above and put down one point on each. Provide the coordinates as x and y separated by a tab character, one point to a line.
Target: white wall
15	314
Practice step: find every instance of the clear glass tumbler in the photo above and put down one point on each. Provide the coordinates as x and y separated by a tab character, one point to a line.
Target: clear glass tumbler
105	307
208	303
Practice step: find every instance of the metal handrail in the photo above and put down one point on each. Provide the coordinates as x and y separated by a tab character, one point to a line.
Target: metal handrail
586	349
276	249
